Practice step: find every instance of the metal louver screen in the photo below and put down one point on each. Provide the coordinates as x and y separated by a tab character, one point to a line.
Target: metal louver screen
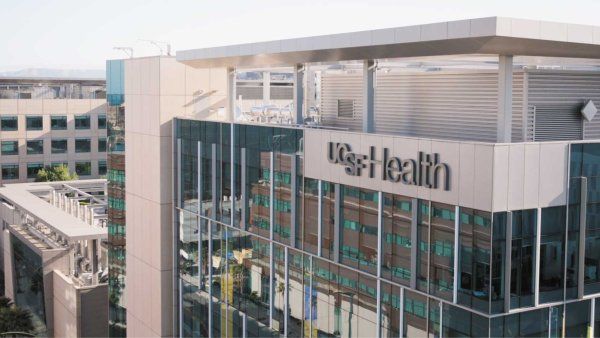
345	108
557	122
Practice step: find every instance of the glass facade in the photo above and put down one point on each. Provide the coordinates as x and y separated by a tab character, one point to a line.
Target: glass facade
115	175
29	283
266	251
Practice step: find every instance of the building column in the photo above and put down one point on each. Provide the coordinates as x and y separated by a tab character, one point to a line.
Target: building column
231	94
298	117
505	85
368	111
266	88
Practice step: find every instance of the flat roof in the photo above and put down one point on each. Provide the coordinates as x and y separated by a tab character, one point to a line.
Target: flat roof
493	35
50	80
21	195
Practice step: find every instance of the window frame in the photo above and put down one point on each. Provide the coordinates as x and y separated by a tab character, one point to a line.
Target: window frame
28	119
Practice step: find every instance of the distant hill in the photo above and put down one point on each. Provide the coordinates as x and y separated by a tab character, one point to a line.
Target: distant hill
56	73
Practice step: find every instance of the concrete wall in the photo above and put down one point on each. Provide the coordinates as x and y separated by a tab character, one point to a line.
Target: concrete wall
65	307
156	90
79	312
47	108
484	176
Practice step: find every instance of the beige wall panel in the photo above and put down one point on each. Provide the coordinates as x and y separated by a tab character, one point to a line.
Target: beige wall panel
466	173
483	179
449	154
78	107
172	77
9	106
531	184
30	107
553	174
516	176
501	178
424	146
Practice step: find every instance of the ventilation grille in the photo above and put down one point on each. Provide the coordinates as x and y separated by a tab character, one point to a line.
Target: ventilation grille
345	108
557	122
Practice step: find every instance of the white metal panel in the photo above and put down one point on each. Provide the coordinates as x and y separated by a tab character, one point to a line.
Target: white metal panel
341	86
450	105
562	94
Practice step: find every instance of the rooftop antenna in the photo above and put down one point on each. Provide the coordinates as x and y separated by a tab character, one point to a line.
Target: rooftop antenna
126	50
159	45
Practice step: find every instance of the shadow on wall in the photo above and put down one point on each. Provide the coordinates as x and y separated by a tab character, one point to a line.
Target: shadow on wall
208	105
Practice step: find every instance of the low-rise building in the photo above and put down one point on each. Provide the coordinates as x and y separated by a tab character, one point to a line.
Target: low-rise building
54	255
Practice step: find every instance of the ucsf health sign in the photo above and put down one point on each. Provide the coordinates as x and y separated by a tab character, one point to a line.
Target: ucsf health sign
425	170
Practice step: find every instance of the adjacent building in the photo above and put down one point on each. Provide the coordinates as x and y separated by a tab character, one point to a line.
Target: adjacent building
54	255
439	179
48	122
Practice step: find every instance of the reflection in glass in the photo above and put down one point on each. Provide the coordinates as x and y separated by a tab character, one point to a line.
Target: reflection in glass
311	214
552	255
474	264
358	228
499	267
441	269
522	280
423	248
397	219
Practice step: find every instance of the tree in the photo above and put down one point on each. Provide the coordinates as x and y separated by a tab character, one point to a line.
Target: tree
55	173
13	318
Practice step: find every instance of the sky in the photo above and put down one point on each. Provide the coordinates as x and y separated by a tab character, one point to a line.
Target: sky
81	34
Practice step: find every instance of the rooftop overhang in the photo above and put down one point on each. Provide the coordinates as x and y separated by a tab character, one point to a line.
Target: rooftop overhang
22	196
494	35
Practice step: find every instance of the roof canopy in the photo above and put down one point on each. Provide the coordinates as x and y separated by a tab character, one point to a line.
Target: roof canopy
495	35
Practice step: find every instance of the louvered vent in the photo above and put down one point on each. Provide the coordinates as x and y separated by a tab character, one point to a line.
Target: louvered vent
345	108
567	91
557	122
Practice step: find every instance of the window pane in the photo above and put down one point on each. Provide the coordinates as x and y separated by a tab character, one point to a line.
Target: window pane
9	123
474	265
577	318
358	228
328	218
101	167
397	218
83	168
34	122
33	168
498	262
83	145
10	171
35	147
82	122
423	248
58	122
552	255
441	268
59	146
311	213
522	280
101	121
101	144
10	147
